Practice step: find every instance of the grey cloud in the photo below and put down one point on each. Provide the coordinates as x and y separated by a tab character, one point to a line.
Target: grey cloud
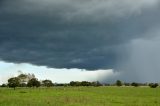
86	34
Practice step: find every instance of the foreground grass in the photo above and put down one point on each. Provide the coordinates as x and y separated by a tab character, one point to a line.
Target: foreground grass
80	96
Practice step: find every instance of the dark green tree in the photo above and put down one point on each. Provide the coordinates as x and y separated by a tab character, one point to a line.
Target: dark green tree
13	82
75	83
47	83
153	85
134	84
85	83
33	83
118	83
4	85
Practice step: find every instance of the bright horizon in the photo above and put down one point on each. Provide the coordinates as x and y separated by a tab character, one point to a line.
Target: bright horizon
56	75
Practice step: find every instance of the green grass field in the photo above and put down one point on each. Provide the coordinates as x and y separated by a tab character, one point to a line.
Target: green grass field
80	96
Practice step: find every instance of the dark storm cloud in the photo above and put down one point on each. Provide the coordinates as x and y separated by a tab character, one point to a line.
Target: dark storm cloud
88	34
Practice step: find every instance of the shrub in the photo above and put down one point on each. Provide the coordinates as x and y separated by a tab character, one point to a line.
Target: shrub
135	84
118	83
153	85
4	85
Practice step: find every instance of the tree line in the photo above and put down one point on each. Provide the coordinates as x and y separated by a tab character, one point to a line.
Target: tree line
29	80
135	84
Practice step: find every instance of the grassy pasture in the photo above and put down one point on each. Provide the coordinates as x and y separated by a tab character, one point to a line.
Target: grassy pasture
80	96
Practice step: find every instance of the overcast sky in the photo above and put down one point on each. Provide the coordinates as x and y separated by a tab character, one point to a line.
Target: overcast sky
66	40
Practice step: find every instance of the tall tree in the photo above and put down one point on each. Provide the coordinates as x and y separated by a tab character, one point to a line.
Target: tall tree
13	82
24	78
33	83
